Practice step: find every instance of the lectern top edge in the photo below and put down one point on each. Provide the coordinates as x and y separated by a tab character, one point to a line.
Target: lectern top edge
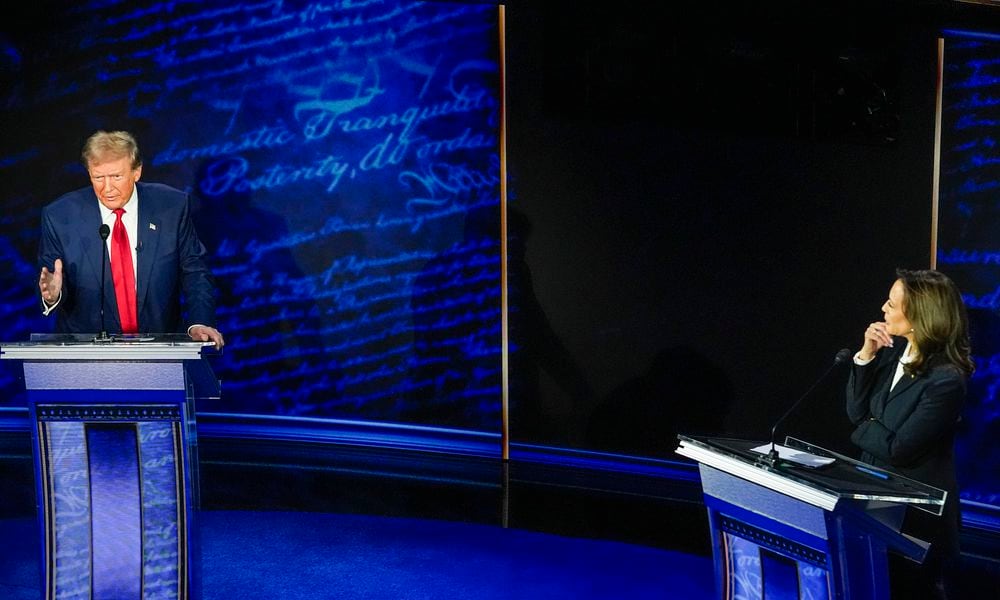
77	347
822	487
124	352
86	338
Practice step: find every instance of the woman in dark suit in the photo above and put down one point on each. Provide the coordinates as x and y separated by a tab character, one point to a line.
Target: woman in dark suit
905	397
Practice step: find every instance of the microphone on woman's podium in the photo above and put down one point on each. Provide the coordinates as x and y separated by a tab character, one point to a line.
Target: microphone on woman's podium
842	355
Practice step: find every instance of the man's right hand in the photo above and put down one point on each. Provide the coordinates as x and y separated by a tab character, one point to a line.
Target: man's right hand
50	283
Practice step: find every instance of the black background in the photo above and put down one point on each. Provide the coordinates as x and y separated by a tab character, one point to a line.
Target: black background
718	198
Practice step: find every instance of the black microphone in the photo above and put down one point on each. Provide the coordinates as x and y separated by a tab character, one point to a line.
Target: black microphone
104	232
842	355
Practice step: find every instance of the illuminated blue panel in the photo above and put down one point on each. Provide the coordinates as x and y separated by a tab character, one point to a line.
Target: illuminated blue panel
968	248
115	514
69	509
753	571
814	582
116	511
162	518
780	576
344	166
744	573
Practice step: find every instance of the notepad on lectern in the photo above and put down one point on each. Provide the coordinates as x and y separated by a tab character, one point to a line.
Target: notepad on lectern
796	456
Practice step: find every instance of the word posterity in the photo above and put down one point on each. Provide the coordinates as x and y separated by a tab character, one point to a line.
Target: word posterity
343	163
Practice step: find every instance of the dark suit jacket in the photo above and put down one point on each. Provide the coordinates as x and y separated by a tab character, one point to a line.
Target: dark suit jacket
911	430
170	261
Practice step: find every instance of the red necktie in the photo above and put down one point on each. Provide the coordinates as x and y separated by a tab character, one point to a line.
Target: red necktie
123	275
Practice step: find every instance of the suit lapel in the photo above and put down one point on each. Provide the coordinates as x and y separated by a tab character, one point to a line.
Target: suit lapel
886	392
96	257
147	230
904	382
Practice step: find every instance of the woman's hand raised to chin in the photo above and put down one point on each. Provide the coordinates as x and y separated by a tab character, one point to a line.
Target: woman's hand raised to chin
876	338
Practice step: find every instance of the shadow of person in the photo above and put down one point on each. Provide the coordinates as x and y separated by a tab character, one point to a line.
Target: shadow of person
455	372
680	391
456	307
274	356
539	414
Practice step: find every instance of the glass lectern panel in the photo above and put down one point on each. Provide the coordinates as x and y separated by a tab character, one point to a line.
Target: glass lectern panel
845	477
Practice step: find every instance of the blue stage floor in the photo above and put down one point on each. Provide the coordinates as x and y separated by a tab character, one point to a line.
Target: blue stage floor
303	521
248	554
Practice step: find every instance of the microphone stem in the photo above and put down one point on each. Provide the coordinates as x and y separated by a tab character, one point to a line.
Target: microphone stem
104	231
789	411
773	455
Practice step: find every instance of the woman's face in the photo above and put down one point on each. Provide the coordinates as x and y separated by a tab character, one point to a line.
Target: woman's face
896	322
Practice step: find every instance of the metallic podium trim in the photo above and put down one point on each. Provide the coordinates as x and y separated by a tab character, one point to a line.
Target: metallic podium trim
936	167
104	375
47	512
504	298
122	352
752	474
182	508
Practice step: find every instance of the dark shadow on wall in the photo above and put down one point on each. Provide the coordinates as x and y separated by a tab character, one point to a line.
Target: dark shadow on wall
537	414
272	345
680	392
456	315
455	372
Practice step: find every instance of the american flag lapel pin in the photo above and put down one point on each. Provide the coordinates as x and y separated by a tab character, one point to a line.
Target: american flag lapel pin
152	226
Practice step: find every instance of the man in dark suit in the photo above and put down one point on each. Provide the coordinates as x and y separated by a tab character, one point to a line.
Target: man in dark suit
154	252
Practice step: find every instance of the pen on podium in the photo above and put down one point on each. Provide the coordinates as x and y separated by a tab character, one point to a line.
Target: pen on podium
872	472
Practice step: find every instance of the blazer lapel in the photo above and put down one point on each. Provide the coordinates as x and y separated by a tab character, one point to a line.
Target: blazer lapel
904	382
90	239
886	392
96	257
148	229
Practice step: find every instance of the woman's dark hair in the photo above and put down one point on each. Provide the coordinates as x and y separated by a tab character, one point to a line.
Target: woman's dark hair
934	307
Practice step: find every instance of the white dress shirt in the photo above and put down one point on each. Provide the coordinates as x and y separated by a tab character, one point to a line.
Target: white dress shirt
130	219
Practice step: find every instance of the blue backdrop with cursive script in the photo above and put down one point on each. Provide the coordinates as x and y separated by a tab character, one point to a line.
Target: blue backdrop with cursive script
969	241
343	163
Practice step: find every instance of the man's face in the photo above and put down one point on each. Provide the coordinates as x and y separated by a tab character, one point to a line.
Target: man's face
113	181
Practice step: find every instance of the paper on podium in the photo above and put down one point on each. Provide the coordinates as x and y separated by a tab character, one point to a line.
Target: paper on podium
796	456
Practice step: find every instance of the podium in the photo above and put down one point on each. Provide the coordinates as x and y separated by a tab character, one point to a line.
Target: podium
115	455
785	531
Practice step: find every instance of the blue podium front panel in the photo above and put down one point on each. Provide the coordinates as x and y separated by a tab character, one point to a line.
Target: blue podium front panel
115	451
758	557
115	510
782	531
753	572
113	496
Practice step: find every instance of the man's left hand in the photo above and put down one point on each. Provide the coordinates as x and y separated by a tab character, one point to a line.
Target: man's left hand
204	333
